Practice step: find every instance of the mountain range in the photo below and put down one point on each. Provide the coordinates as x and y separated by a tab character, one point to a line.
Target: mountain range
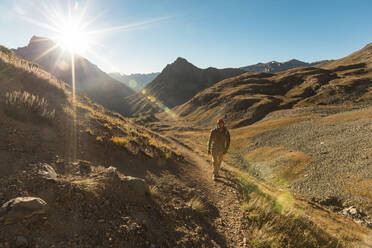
297	174
247	98
275	66
90	80
177	83
136	81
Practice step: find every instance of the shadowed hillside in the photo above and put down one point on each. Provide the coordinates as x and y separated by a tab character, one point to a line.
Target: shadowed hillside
177	83
90	80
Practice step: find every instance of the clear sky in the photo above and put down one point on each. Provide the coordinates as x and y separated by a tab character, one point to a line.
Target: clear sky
228	33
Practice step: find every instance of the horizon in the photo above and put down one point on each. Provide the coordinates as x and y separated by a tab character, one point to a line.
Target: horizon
153	35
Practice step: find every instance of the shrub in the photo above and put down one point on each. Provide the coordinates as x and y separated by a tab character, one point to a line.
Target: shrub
120	141
89	131
26	106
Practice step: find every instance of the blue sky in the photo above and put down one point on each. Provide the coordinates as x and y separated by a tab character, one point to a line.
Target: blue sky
206	33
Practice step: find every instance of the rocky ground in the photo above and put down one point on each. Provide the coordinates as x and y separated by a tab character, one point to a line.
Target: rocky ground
342	150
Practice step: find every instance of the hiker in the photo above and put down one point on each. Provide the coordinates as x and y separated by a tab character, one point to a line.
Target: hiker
219	141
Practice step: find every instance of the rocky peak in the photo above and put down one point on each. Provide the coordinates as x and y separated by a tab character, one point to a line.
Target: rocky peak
180	60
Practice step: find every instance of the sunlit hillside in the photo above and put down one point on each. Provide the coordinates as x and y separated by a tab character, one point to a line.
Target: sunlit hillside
90	177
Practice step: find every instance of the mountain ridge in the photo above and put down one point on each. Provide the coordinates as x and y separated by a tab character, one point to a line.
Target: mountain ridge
90	80
274	66
177	83
345	80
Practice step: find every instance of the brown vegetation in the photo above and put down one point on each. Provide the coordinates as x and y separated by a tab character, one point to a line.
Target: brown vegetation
26	106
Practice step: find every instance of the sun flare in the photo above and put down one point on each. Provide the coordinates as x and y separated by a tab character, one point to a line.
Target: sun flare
72	37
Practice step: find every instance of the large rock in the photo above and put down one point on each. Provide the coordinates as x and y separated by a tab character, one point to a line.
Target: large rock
20	208
136	184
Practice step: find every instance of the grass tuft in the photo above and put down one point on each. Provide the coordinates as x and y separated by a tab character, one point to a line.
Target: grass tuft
26	106
90	131
120	141
197	205
153	190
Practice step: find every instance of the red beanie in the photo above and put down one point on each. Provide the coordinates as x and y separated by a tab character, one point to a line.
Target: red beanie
220	121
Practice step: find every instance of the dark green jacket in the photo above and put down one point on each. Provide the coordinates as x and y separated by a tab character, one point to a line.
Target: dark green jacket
219	140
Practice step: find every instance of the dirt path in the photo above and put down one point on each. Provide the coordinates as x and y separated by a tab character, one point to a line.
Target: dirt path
223	199
222	196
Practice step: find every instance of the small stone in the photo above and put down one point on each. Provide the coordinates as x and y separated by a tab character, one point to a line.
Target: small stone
21	242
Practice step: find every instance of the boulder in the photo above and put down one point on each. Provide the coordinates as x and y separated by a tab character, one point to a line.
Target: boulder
138	185
353	212
112	173
46	171
20	208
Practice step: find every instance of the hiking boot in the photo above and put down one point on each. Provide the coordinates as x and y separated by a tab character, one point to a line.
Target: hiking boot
214	178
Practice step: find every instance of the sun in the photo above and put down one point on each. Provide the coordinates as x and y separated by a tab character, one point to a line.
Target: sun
72	37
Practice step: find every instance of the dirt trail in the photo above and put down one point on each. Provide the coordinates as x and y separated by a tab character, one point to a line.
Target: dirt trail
222	196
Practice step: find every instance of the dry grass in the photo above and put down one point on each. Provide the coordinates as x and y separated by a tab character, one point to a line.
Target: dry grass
88	184
26	106
197	205
358	185
120	141
242	135
106	125
89	131
346	117
153	190
8	57
284	166
279	222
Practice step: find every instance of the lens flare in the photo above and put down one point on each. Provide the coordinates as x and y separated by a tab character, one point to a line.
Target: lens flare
72	38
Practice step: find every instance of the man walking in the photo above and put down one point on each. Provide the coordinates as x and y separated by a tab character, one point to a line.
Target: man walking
219	142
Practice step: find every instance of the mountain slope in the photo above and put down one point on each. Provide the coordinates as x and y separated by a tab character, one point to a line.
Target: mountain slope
363	55
102	181
247	98
177	83
275	66
136	81
90	80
